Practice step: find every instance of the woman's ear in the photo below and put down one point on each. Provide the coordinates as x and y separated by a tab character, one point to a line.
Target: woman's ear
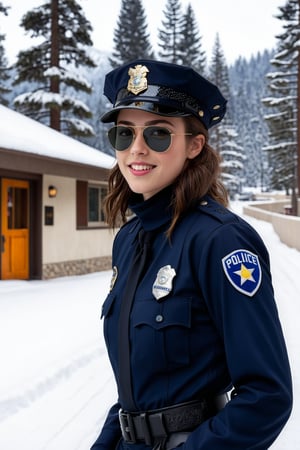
196	145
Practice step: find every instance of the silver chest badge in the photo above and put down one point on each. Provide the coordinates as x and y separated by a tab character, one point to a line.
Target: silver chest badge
163	284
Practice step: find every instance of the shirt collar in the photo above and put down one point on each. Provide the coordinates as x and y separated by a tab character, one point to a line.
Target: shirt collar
154	212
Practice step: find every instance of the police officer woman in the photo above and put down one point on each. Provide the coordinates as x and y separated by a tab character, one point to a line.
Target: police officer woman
194	317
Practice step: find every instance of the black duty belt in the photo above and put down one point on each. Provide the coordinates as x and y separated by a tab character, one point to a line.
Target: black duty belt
150	426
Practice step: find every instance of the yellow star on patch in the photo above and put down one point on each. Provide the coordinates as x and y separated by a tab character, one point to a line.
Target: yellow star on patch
245	274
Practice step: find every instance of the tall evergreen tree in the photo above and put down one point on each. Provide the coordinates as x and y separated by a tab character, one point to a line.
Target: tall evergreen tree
170	35
191	46
131	39
52	66
4	71
97	102
283	121
224	137
247	87
218	70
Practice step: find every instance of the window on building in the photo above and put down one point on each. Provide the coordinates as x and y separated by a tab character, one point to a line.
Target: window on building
90	204
96	195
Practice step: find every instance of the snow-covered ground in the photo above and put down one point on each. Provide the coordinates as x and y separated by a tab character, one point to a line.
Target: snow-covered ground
56	383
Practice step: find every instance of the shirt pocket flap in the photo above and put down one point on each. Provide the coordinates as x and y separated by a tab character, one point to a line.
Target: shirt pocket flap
107	305
173	312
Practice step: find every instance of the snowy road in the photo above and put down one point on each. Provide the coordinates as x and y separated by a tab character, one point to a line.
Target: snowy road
55	381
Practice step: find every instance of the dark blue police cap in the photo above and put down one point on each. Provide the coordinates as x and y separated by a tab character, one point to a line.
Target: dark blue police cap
165	89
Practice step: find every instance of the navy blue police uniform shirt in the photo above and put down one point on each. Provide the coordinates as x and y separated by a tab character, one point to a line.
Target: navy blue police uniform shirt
203	320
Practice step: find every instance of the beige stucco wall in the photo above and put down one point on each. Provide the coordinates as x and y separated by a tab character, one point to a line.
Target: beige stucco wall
62	241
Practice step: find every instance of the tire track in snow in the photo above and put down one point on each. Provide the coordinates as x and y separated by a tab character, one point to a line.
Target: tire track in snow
14	404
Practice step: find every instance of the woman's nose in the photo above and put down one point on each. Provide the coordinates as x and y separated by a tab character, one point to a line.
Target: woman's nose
138	145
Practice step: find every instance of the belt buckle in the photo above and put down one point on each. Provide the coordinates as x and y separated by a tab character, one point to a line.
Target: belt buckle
127	427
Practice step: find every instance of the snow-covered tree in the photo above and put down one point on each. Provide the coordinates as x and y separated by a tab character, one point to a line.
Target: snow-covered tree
192	53
4	76
52	67
131	39
247	86
282	145
218	69
224	137
284	85
232	158
97	102
170	33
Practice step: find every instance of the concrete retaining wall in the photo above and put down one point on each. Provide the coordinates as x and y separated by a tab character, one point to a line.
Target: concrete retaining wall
286	226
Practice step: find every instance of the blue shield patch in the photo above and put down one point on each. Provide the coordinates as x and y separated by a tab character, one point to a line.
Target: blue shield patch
243	270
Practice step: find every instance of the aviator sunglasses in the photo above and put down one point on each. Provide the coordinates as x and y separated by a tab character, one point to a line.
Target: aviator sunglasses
157	138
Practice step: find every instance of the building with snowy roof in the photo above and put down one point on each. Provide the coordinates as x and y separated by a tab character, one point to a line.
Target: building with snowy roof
52	188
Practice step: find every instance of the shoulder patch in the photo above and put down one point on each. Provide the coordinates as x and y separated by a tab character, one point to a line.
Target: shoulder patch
242	268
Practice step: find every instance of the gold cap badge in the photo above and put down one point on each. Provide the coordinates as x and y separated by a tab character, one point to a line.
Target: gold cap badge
137	81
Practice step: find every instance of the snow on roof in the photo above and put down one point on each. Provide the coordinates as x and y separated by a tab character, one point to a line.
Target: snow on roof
18	132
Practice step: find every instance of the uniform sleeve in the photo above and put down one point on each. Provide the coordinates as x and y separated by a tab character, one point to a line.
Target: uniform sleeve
237	288
111	432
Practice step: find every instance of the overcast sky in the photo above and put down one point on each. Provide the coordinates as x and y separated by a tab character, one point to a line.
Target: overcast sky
244	27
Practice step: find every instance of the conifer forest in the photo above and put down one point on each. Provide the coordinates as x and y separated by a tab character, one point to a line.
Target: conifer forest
59	82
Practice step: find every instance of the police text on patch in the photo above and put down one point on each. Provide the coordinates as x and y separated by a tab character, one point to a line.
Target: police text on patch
242	268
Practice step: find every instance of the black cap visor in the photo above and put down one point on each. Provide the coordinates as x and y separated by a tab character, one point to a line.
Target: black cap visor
154	108
157	100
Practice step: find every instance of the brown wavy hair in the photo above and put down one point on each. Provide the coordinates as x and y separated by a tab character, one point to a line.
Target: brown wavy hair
200	176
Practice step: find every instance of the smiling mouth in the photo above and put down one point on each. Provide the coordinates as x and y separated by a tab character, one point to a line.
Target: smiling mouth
141	167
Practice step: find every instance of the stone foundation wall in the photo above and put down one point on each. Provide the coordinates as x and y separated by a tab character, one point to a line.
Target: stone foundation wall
78	267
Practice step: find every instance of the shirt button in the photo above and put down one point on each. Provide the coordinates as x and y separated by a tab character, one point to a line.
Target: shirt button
159	318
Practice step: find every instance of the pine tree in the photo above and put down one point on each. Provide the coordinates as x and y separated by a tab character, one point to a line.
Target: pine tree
218	71
170	35
247	87
224	137
52	66
131	40
283	120
4	71
97	102
192	54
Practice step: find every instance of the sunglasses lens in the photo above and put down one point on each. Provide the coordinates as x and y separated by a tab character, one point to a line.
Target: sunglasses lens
157	138
120	137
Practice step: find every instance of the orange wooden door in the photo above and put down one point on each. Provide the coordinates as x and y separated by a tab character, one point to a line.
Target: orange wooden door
14	229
